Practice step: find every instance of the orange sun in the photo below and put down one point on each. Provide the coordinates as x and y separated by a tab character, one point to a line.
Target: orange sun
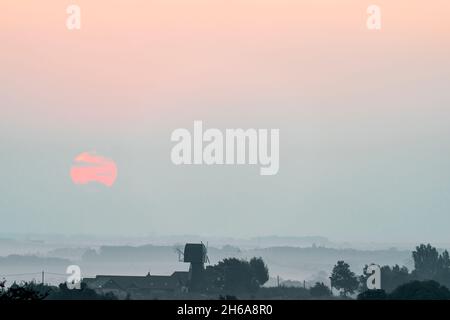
90	167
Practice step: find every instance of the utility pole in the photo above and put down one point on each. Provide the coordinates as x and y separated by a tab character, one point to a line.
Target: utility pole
42	276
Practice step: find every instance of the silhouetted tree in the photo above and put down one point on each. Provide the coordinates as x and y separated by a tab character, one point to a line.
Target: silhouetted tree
343	279
236	275
426	262
421	290
27	291
444	260
212	280
320	290
392	277
260	270
443	274
430	265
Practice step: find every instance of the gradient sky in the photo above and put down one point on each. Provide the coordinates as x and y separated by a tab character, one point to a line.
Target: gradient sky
364	117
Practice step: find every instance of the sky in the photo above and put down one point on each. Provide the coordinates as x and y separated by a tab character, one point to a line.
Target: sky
364	117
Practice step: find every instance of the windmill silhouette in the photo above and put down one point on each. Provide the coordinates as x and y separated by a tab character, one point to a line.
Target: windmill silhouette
197	255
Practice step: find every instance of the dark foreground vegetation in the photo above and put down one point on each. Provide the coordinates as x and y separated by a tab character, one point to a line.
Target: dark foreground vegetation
241	279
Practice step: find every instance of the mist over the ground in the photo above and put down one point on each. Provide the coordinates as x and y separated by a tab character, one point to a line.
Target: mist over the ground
292	260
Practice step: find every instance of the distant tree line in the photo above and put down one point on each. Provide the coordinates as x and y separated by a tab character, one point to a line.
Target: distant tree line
232	278
430	278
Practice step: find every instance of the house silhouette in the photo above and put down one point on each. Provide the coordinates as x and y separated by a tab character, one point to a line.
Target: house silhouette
153	285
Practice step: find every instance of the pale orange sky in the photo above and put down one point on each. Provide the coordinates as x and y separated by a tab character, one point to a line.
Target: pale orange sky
157	56
364	116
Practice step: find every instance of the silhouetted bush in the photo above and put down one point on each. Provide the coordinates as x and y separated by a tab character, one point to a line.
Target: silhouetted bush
26	291
378	294
421	290
84	293
320	290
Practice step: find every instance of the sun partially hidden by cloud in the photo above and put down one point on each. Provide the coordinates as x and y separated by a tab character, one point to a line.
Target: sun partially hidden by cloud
91	167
